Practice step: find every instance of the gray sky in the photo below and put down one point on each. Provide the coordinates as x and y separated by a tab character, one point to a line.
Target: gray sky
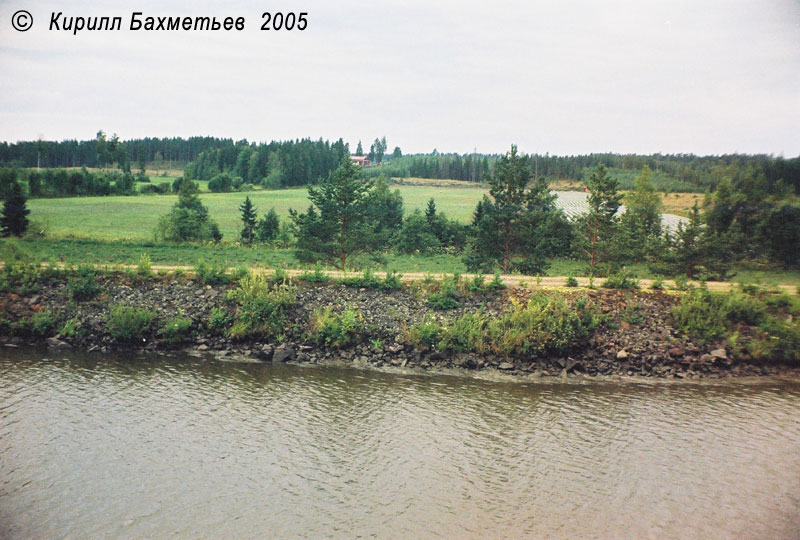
563	76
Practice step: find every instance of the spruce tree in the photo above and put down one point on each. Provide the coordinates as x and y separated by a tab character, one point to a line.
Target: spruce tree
14	219
248	221
267	227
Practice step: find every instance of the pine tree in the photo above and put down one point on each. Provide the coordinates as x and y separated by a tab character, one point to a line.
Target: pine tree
359	149
14	219
249	216
520	224
337	226
597	226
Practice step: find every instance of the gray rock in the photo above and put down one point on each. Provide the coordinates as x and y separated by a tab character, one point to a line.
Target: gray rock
505	366
622	355
719	353
283	354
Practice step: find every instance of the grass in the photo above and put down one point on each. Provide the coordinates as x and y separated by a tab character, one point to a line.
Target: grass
135	218
76	251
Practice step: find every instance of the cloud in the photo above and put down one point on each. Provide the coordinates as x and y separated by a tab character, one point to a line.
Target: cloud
560	77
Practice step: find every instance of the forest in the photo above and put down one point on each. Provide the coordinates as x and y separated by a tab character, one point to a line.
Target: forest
305	161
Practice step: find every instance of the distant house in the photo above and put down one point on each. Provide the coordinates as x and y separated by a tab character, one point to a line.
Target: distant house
360	160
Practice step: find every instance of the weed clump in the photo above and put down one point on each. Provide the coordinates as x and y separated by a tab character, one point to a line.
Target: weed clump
336	329
129	324
261	308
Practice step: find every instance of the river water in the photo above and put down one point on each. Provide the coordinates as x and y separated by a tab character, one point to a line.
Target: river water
157	447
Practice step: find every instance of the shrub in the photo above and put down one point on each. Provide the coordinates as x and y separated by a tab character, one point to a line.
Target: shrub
280	275
444	298
682	283
497	283
478	283
210	274
571	281
317	276
176	329
425	333
71	328
542	325
392	281
129	324
657	284
366	280
467	333
621	280
41	324
239	273
83	285
219	320
261	308
20	277
336	329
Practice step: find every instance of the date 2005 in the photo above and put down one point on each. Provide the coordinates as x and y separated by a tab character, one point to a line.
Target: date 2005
281	21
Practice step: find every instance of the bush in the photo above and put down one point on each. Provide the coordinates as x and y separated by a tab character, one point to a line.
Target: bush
261	309
20	277
41	324
176	329
657	284
621	280
571	281
317	276
71	328
467	333
336	329
425	333
761	328
83	286
219	320
210	274
478	283
444	298
129	324
544	325
497	283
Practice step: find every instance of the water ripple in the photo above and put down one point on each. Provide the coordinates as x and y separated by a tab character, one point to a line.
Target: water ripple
153	447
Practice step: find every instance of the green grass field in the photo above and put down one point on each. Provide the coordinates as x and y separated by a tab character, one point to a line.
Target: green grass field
127	218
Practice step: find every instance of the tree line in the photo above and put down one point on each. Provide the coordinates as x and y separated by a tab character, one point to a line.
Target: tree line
306	161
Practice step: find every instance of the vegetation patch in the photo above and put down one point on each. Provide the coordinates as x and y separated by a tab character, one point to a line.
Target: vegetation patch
336	329
763	326
129	324
261	307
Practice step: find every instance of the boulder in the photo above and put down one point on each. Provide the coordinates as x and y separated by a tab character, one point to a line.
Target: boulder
622	355
283	353
719	353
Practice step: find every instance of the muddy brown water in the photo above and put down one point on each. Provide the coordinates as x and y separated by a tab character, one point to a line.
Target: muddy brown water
160	447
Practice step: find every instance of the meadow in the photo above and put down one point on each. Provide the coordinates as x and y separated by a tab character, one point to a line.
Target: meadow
135	218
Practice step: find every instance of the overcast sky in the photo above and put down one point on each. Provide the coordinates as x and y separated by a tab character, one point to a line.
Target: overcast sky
562	76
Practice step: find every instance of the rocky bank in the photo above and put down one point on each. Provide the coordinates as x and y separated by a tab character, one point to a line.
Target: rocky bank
636	339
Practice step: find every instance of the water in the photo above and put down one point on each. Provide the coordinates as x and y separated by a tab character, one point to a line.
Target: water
95	447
